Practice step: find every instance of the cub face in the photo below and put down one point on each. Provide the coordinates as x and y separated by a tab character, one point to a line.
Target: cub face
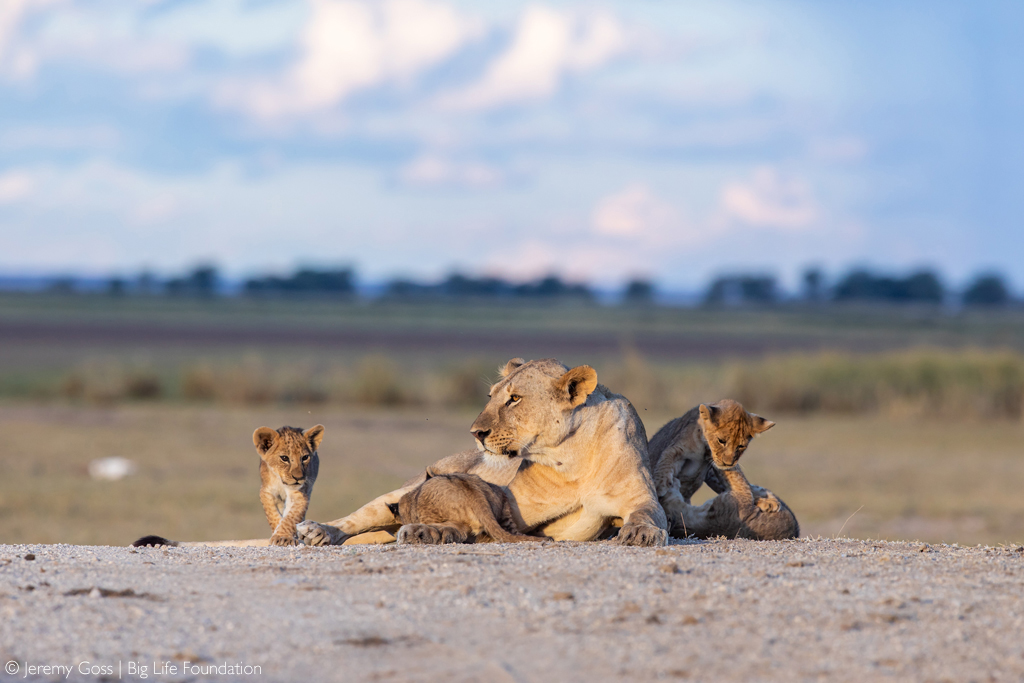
288	452
531	406
728	429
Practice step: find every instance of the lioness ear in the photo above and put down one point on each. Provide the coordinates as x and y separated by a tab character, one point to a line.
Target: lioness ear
577	384
263	439
394	510
760	424
314	435
430	473
512	366
708	413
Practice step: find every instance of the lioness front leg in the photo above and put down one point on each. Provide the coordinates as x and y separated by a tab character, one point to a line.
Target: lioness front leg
645	526
374	516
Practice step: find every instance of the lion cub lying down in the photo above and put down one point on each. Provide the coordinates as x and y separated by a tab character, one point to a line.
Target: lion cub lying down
456	508
704	446
289	463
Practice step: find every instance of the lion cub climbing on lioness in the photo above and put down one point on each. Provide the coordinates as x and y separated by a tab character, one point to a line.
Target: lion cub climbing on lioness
289	463
704	446
456	508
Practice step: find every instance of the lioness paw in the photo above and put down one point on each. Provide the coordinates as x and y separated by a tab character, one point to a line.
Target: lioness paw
420	533
642	535
282	539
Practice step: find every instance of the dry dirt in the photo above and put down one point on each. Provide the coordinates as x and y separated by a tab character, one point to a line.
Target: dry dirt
841	610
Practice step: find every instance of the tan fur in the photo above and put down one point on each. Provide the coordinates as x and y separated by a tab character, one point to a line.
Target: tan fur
572	455
289	464
456	508
704	446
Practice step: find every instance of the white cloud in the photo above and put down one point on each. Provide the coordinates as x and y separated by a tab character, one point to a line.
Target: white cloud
770	200
632	212
15	186
434	171
547	45
348	45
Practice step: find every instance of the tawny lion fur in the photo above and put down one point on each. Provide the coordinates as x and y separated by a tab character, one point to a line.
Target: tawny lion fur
289	463
571	454
456	508
704	446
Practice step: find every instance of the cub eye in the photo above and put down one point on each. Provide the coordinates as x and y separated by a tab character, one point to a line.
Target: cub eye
305	457
284	458
514	398
721	441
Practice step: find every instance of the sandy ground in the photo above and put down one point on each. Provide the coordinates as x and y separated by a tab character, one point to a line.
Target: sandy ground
841	610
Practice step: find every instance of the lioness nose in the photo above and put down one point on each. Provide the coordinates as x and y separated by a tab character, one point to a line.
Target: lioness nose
480	434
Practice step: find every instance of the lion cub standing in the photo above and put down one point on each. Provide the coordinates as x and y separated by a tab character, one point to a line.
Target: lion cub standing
288	467
704	446
456	508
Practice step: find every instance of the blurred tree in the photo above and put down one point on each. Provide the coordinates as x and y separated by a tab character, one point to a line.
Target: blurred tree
305	281
116	286
987	290
638	292
861	285
814	284
734	290
202	281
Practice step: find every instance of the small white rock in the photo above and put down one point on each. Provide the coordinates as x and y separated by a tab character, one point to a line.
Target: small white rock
111	469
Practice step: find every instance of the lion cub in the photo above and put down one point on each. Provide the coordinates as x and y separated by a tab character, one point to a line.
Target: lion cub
456	508
288	467
704	446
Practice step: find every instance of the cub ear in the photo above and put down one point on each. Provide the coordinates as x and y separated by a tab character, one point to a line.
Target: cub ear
577	384
264	438
394	511
708	413
760	424
511	366
314	435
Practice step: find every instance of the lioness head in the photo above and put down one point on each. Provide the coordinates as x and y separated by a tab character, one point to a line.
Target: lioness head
531	406
288	451
728	428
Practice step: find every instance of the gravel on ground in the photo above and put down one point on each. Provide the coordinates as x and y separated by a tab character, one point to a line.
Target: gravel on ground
809	609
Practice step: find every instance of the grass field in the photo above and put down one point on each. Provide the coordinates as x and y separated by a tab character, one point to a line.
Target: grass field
912	417
928	480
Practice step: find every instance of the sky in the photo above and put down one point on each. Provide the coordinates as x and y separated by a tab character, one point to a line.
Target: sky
600	141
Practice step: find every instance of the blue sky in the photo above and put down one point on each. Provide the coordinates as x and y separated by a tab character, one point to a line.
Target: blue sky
601	141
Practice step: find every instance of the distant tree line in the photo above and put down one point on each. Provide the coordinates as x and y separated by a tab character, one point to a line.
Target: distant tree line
860	285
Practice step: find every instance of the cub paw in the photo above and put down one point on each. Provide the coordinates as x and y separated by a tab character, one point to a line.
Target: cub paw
423	534
282	539
768	502
644	535
314	533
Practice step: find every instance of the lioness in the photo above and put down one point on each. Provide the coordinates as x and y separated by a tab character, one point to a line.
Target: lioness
572	455
456	508
289	463
704	446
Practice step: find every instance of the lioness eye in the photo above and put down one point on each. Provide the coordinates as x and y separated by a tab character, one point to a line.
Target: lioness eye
514	398
284	458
